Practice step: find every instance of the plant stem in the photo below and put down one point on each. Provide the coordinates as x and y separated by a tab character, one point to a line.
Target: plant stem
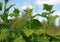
30	21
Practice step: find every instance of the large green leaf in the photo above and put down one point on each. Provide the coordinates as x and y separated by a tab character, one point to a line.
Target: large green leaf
35	24
0	6
47	7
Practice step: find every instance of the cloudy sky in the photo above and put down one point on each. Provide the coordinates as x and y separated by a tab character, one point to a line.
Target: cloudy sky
36	4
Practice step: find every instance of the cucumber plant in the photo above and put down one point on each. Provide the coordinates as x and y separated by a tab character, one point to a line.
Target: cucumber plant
26	28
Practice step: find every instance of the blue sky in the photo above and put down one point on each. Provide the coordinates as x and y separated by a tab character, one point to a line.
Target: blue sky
36	4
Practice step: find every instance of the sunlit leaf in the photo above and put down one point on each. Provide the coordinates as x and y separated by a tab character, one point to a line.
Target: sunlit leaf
39	31
52	19
5	33
28	32
19	39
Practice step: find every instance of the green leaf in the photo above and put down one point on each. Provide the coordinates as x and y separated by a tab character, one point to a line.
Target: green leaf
0	6
6	1
28	11
35	16
52	19
11	14
16	12
55	38
39	31
13	35
19	39
7	9
28	32
35	24
42	38
44	14
5	33
47	7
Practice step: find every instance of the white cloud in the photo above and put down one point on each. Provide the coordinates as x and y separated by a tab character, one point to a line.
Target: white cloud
11	17
41	2
27	6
